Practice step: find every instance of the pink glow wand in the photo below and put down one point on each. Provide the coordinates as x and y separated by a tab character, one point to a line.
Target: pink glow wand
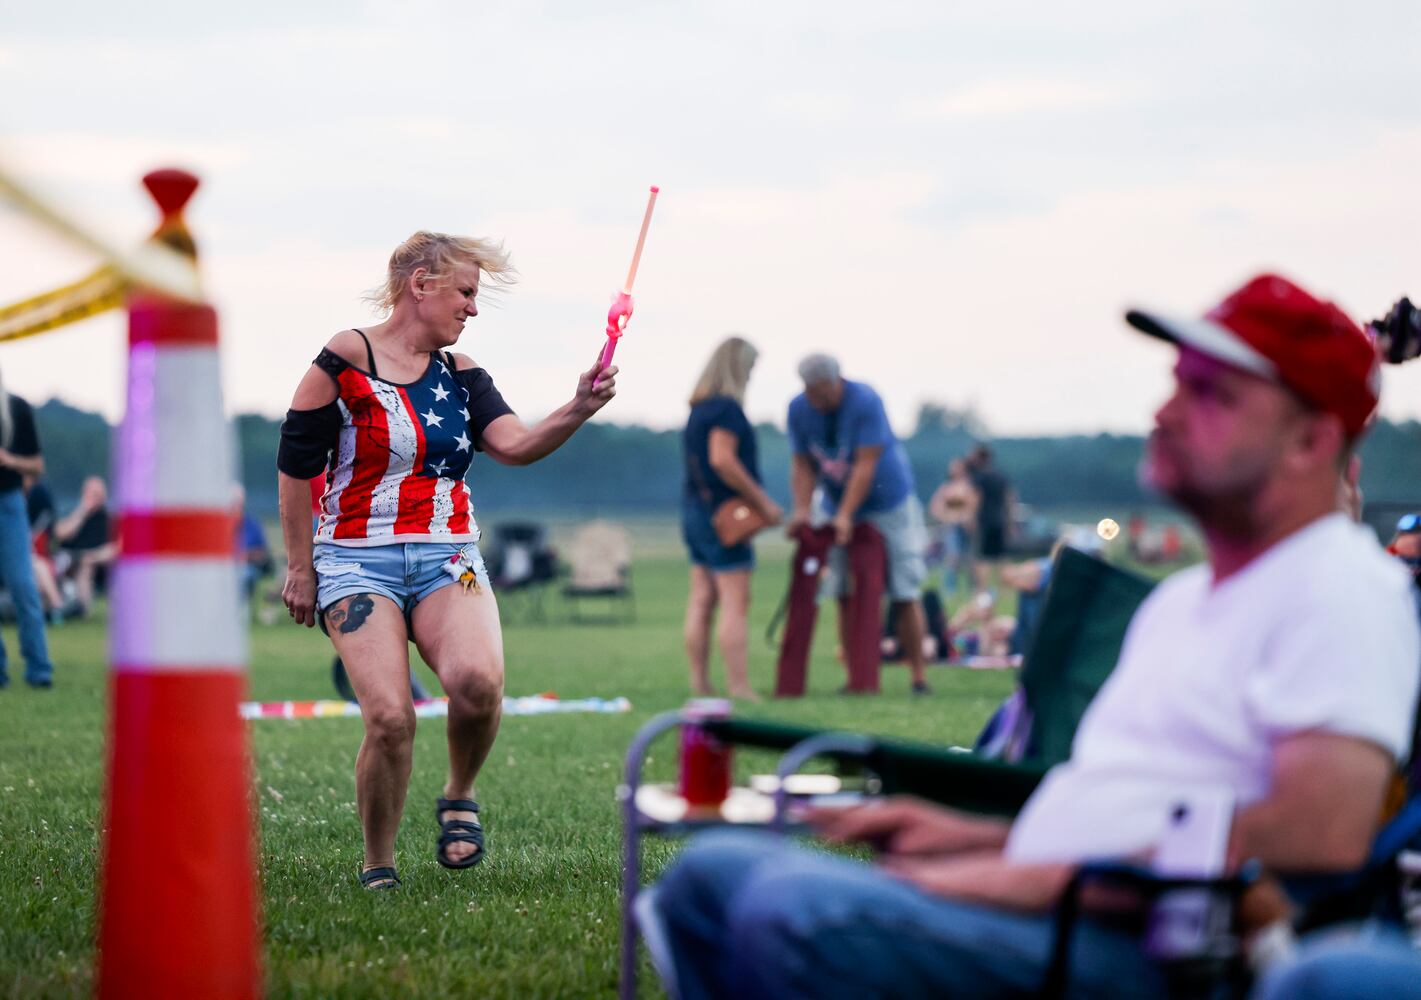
621	310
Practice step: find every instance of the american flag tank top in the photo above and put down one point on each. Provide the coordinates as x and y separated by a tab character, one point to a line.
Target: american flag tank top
397	474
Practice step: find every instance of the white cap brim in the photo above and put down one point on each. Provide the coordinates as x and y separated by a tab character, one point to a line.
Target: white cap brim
1207	337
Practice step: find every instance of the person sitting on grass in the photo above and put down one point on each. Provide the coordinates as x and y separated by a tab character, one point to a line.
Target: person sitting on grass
1229	680
988	638
86	542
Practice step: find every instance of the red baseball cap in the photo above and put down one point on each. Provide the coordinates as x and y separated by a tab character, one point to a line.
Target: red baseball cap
1274	329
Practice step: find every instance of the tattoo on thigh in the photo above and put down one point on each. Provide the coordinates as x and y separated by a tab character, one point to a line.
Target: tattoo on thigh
349	615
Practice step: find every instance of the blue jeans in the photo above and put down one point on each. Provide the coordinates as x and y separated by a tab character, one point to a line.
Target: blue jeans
1373	966
956	556
18	574
746	915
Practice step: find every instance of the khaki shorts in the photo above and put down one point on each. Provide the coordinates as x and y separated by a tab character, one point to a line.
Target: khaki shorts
905	536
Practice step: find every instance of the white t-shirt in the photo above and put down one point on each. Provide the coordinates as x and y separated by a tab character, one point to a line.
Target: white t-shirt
1319	632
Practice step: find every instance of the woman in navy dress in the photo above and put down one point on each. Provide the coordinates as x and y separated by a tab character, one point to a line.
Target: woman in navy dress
721	462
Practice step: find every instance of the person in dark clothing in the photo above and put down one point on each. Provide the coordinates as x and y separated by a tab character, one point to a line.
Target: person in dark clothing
85	541
721	463
20	457
993	515
41	512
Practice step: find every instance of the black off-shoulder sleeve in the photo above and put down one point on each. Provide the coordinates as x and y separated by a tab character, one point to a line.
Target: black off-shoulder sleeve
307	439
309	436
482	399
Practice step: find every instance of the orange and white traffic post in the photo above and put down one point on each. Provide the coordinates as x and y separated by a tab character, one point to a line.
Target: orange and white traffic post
178	898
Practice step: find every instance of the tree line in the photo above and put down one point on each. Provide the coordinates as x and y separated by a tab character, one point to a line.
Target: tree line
607	468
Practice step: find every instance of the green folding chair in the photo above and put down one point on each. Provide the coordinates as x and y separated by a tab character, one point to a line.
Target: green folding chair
1088	606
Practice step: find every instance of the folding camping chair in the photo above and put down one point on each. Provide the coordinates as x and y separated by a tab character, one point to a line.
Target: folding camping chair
520	562
1082	627
1077	643
600	569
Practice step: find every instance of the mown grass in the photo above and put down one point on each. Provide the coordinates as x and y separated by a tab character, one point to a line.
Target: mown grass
538	919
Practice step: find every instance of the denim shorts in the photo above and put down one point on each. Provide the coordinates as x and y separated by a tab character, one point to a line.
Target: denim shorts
905	536
405	572
705	547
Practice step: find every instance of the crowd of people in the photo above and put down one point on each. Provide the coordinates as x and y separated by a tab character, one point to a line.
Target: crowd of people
847	468
1228	688
51	566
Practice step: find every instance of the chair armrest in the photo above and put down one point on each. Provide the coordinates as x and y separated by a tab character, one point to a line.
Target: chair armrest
1130	875
956	778
1150	884
820	745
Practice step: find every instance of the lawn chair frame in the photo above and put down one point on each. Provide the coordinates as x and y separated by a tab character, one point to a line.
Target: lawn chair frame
1087	607
952	777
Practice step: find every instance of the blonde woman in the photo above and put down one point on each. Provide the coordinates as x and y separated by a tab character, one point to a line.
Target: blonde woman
721	462
393	419
20	457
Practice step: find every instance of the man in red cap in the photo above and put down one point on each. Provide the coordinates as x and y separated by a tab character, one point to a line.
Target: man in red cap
1274	684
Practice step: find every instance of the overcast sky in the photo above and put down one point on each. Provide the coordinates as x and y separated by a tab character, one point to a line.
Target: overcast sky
956	199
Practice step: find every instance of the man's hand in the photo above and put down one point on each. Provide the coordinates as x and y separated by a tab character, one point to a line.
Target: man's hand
798	518
908	827
843	528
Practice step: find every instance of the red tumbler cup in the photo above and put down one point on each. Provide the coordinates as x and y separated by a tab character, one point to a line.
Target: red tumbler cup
706	762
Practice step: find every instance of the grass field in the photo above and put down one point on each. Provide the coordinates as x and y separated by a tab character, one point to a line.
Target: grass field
538	918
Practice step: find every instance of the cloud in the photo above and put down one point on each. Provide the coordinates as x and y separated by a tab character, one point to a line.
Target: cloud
86	157
958	207
1011	98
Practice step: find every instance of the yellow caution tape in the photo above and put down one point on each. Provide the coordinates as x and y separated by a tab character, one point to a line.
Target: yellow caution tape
164	263
154	264
98	292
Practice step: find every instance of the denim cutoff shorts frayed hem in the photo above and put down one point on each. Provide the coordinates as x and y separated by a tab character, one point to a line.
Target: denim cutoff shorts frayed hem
405	572
704	545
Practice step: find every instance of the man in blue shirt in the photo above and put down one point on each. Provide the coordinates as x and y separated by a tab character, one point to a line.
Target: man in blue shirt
842	443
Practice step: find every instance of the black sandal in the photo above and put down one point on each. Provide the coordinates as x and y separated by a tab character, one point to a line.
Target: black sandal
385	876
458	831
